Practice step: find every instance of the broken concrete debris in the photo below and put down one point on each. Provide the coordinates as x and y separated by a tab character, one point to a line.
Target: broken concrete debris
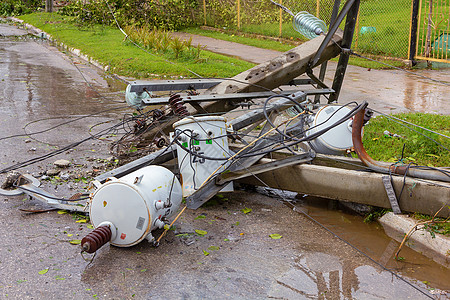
62	163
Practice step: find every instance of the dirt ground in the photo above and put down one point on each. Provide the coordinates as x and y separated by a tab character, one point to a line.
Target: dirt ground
40	88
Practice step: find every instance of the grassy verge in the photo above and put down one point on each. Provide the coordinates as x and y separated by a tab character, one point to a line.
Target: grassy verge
418	149
107	45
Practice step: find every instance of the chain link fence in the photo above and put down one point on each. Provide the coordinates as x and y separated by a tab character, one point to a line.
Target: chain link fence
383	26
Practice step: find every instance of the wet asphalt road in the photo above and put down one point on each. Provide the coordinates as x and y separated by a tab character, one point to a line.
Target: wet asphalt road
38	84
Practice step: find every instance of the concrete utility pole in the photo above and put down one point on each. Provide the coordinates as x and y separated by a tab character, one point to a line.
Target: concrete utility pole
49	5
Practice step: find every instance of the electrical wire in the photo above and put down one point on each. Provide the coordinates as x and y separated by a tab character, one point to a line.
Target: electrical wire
394	119
404	121
26	134
56	152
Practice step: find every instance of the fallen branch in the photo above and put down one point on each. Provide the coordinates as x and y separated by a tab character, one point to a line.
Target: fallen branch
416	227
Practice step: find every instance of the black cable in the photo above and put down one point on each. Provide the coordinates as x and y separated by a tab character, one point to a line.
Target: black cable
59	125
308	138
56	152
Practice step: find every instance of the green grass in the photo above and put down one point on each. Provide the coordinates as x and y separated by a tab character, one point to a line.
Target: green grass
107	45
418	149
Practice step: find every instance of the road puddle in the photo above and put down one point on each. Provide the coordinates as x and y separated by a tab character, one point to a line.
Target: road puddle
319	272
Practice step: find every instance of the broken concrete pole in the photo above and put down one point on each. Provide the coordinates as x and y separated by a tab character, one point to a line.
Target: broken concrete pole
281	69
263	77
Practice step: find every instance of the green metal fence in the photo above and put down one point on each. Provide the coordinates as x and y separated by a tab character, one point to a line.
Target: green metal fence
383	26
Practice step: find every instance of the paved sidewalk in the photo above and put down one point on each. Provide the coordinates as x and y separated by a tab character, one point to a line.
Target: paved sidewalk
389	91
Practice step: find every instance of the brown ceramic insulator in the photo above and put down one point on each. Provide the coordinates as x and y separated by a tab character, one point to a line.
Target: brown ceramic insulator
97	238
177	105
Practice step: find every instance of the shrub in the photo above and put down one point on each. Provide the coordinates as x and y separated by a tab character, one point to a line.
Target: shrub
19	7
163	14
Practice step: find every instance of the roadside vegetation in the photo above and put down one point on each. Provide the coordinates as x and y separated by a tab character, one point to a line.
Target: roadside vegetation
164	57
386	140
19	7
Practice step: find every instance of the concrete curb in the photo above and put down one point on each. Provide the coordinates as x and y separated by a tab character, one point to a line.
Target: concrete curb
77	52
438	248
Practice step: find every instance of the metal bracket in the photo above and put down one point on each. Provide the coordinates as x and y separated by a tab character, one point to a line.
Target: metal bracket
17	192
28	187
257	169
212	187
234	96
391	194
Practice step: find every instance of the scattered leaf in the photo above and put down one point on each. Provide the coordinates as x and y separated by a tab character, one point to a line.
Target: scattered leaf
138	252
200	217
75	242
375	139
213	248
241	233
246	210
70	234
143	270
205	253
226	240
42	272
201	232
90	226
166	227
81	221
275	236
237	223
62	212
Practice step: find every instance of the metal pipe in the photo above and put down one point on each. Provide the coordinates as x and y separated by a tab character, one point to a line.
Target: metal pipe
383	167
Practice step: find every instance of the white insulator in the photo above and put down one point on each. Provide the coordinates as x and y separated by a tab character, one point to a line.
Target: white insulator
135	100
308	25
136	204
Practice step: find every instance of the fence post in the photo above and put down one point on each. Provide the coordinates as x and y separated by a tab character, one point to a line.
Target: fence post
204	12
318	8
357	31
239	14
429	25
49	5
281	18
413	32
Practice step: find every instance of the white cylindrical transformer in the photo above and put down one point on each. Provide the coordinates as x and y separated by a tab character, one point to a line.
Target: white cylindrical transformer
205	136
136	204
337	140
